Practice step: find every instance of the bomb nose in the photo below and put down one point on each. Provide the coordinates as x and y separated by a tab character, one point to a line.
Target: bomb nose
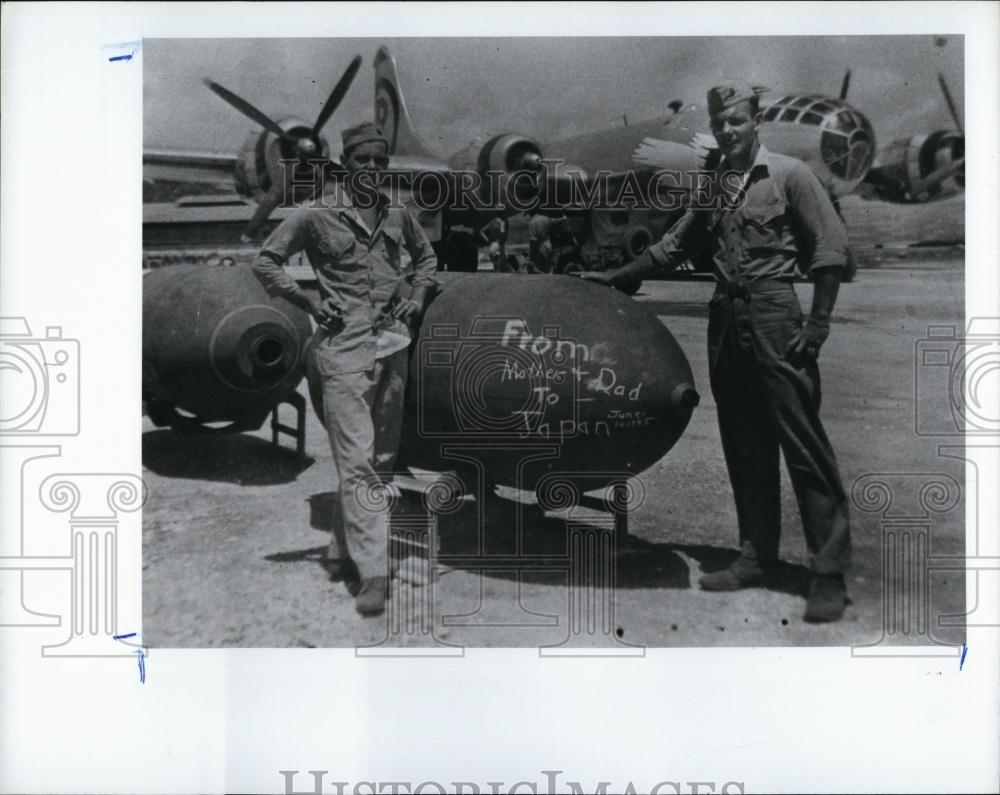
267	353
684	396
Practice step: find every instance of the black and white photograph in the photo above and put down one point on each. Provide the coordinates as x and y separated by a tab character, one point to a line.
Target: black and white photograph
631	353
499	397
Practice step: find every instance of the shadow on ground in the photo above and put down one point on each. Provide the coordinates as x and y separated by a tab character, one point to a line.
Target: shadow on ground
236	458
521	542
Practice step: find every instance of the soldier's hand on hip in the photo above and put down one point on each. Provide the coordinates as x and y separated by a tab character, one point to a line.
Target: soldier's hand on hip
406	309
804	345
327	313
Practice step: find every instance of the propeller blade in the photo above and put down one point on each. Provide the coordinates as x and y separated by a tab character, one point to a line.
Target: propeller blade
337	95
846	84
933	179
292	189
247	109
951	103
262	213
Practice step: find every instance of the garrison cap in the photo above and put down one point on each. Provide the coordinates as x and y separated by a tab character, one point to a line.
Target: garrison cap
728	93
364	133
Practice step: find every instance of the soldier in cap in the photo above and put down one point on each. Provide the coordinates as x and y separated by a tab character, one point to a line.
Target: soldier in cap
769	212
368	302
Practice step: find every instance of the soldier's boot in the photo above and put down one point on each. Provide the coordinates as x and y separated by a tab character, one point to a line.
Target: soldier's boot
371	596
827	599
744	573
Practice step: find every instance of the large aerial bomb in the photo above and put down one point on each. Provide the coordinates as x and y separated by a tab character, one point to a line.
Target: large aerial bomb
216	347
537	381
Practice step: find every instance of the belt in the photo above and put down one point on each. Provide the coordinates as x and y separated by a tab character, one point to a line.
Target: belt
743	288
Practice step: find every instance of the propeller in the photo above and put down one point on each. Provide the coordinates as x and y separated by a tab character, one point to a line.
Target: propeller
337	95
845	84
305	146
247	109
921	187
951	103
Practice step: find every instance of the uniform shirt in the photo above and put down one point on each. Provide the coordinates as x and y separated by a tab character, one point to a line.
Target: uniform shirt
360	269
782	216
538	228
496	231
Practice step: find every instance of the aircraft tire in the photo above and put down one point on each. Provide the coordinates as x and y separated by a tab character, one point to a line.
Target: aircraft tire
636	241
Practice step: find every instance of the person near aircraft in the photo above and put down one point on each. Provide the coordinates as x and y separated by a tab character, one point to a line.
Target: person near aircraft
762	356
539	244
367	303
494	235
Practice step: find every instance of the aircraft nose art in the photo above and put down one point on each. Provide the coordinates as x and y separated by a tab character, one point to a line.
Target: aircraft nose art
531	375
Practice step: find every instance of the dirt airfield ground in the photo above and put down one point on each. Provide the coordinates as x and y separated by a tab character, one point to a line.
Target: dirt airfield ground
234	530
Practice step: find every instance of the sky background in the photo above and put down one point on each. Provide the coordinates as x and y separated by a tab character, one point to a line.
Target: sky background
549	88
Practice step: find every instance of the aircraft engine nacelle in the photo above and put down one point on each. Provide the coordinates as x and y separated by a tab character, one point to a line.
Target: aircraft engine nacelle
923	168
259	165
216	347
540	382
507	167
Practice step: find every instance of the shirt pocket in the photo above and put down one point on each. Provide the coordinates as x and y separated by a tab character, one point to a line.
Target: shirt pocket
764	224
338	245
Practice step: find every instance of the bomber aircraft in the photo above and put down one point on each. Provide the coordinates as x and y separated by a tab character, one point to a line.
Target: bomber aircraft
614	168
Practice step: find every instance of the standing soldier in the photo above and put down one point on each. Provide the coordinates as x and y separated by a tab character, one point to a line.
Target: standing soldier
494	235
762	357
367	298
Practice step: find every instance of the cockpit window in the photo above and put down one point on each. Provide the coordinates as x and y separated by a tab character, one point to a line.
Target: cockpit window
811	118
845	121
789	114
771	113
822	107
801	102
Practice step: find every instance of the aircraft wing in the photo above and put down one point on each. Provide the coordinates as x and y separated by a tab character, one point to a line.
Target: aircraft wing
211	168
697	154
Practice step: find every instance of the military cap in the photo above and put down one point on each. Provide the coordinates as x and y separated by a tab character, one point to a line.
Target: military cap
364	133
728	93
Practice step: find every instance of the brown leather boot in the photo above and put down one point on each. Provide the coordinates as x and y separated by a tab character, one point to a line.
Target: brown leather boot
370	599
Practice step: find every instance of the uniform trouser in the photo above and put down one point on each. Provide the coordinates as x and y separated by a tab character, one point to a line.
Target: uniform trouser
765	404
364	414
